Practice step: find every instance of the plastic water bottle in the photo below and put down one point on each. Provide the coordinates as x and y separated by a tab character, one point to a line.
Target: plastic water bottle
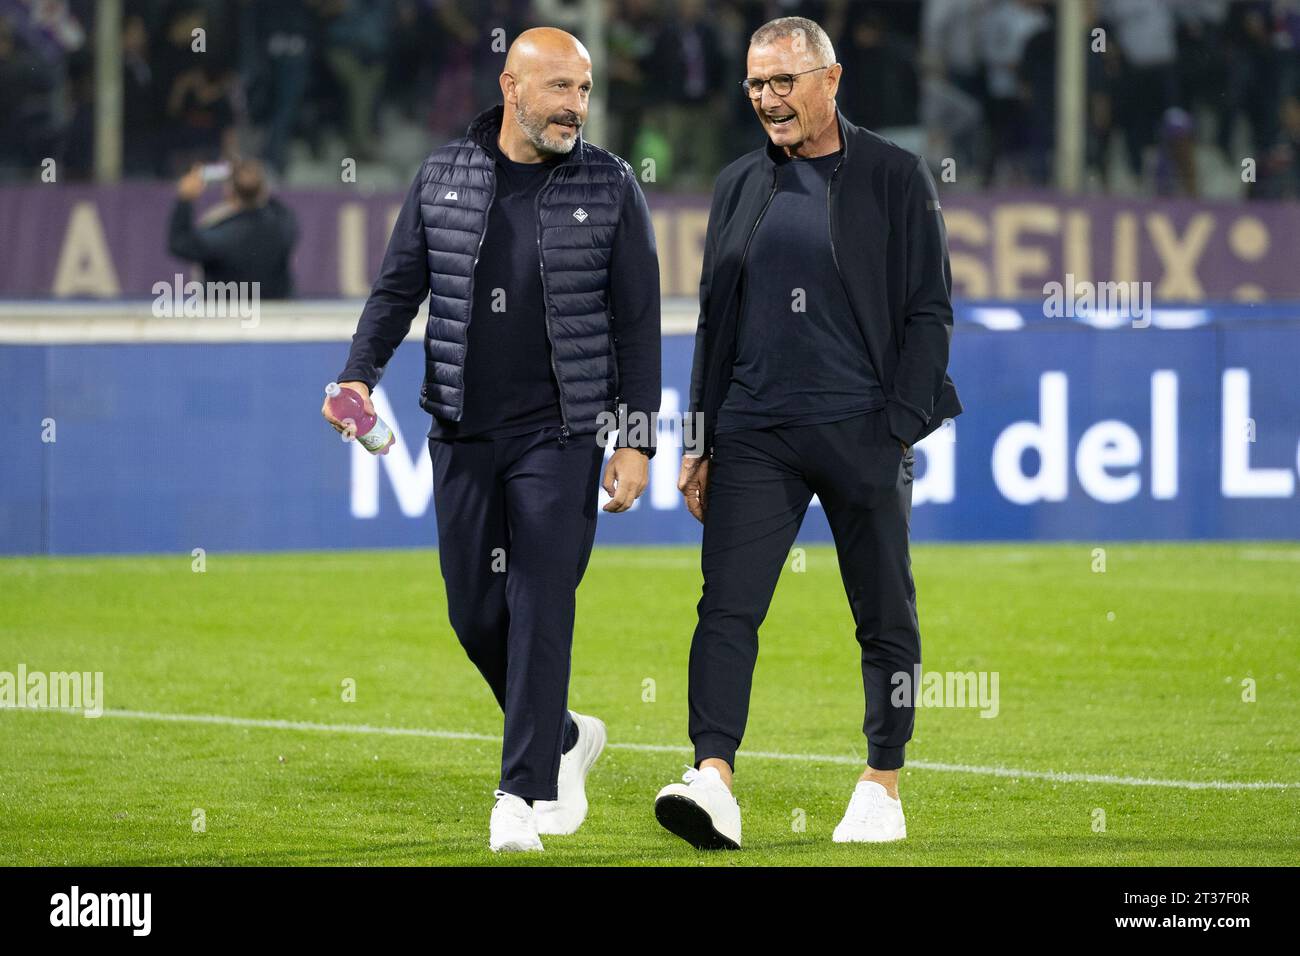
346	405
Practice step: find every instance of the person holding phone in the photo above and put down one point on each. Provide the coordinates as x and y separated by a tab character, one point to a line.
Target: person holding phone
248	238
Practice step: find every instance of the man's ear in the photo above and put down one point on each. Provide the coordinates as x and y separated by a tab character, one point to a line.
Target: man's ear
508	87
833	79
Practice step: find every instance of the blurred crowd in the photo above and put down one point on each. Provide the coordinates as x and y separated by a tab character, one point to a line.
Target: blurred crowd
1176	89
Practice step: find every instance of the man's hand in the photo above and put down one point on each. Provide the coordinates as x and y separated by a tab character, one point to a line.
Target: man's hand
626	476
191	185
362	389
693	483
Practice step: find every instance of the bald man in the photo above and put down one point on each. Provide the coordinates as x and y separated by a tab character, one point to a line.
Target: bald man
535	251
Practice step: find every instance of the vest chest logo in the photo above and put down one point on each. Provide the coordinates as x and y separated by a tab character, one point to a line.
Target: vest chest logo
451	194
580	214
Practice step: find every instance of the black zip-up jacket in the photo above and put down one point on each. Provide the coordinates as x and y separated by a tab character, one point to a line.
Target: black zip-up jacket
891	250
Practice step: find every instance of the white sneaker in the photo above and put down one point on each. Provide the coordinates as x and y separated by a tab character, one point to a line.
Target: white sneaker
513	826
873	816
565	813
701	811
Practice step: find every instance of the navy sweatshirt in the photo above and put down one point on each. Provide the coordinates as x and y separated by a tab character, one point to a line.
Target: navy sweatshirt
800	356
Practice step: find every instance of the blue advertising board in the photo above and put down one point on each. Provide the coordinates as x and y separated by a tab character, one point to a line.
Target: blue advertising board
1188	430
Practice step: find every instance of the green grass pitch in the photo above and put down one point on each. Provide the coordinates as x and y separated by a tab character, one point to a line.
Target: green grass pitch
1137	672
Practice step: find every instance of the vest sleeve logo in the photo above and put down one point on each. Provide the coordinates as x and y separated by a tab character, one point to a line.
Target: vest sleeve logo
451	194
580	214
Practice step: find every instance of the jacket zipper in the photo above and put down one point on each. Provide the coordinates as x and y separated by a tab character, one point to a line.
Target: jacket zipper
546	306
469	302
830	224
744	254
830	218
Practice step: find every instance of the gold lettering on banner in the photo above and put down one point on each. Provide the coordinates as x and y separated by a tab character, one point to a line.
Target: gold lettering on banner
1180	257
1012	261
354	269
688	236
85	265
1076	255
669	255
1248	238
970	274
393	213
1124	251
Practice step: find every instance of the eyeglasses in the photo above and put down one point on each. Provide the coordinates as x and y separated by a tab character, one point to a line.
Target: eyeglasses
781	83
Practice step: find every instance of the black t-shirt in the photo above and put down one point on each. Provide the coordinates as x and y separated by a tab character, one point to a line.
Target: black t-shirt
510	388
801	358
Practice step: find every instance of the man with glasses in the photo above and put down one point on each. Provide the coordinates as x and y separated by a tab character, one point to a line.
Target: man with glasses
820	359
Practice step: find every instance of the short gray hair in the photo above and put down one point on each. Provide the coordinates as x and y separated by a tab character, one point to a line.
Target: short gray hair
817	42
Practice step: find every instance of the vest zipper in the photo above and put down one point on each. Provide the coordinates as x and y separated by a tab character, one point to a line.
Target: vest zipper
469	301
546	307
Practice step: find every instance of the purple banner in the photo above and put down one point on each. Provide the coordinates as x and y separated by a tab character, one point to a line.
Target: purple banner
110	242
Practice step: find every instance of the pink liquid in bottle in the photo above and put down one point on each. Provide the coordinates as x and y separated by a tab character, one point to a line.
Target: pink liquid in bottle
347	406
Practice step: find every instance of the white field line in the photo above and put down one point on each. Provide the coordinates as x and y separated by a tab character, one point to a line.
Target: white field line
1055	777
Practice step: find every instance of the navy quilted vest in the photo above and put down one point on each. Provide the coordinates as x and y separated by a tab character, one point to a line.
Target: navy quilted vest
578	211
